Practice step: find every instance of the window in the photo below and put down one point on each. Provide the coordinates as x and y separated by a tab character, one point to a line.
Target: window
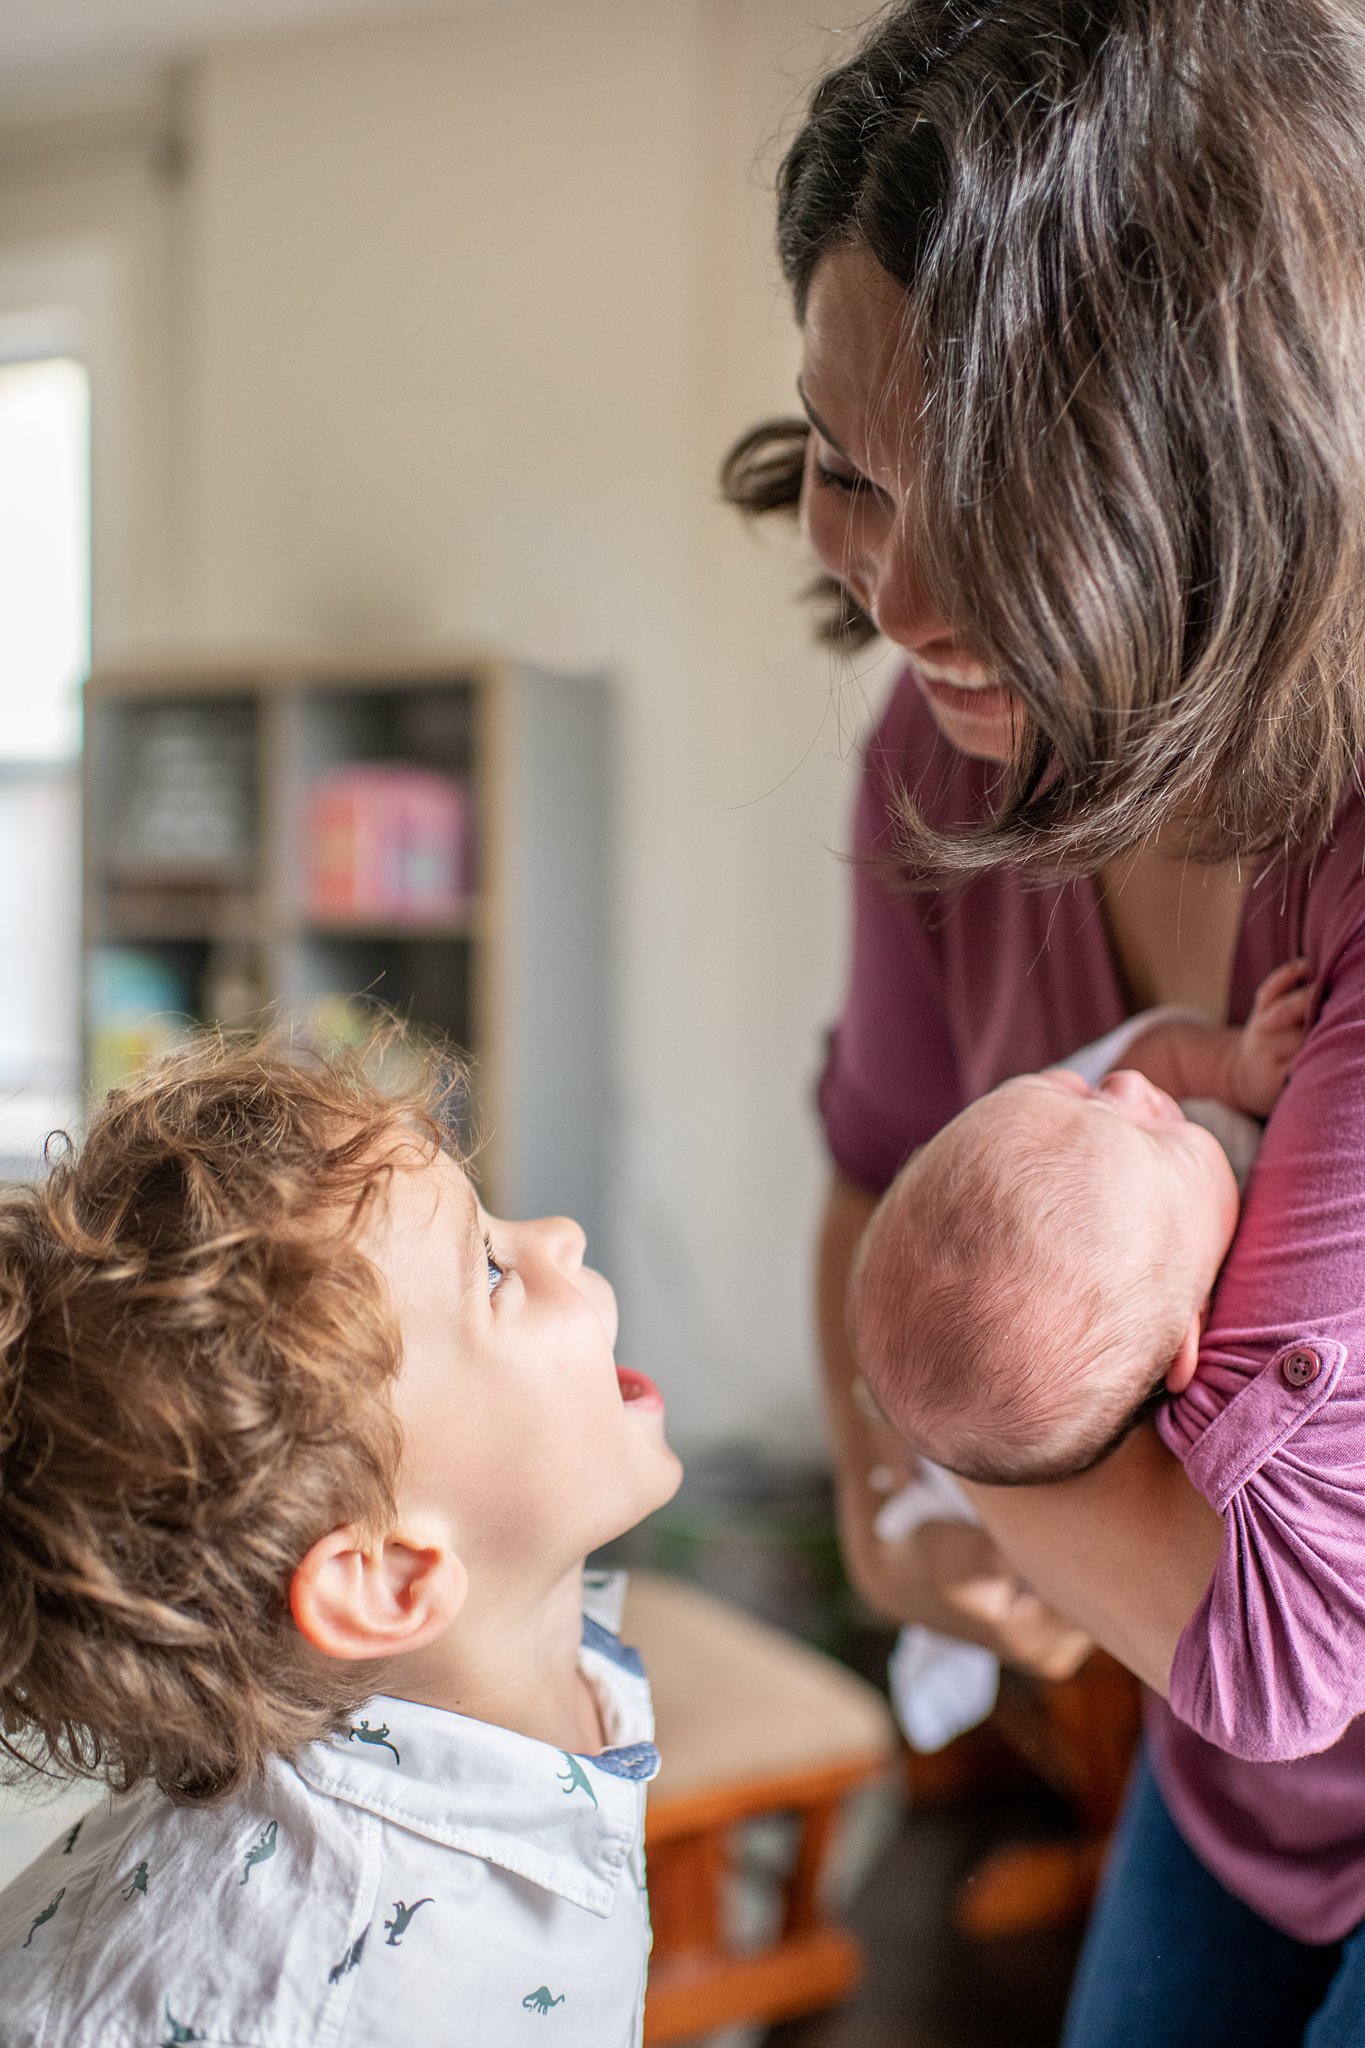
44	557
44	654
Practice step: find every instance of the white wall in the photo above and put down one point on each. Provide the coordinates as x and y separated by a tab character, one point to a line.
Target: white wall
458	313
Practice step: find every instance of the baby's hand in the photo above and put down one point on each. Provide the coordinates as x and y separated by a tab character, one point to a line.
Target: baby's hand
1265	1046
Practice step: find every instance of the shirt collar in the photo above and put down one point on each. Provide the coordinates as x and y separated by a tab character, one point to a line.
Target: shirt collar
565	1822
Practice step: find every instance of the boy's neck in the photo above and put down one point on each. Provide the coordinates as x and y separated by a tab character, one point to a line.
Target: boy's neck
516	1668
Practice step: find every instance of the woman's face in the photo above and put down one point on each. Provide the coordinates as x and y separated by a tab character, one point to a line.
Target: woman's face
859	387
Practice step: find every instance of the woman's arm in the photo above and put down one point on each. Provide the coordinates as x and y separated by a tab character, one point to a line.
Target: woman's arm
891	1080
946	1575
1235	1584
1127	1549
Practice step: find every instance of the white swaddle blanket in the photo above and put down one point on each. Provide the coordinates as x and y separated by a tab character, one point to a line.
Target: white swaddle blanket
940	1687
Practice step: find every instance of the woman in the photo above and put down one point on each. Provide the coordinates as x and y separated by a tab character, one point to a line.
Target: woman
1081	290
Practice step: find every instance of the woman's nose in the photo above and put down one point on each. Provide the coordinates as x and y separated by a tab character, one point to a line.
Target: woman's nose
896	597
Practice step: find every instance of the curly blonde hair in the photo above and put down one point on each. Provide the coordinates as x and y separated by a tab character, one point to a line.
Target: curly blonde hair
195	1369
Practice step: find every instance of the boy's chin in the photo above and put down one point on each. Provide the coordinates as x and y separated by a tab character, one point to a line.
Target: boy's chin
675	1479
655	1488
666	1481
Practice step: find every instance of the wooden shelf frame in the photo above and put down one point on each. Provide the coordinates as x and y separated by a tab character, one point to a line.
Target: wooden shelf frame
521	973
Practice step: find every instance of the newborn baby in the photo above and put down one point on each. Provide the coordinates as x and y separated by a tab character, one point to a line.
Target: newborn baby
1040	1271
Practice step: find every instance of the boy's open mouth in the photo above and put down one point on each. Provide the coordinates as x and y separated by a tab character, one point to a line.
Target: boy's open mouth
637	1389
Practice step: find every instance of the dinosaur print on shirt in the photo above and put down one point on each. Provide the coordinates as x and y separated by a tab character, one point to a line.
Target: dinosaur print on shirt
575	1779
176	2034
402	1914
46	1915
263	1850
349	1960
377	1738
274	1915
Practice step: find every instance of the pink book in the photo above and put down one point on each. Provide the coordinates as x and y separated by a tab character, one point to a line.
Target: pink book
387	840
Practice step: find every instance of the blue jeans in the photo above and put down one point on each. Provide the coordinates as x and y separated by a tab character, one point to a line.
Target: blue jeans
1171	1960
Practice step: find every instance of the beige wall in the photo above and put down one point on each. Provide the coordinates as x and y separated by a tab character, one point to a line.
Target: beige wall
458	314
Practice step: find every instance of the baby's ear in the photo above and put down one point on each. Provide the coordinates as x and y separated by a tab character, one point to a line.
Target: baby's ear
1181	1369
353	1599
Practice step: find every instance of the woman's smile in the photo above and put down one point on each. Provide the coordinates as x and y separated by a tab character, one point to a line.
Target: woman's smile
971	711
970	693
945	663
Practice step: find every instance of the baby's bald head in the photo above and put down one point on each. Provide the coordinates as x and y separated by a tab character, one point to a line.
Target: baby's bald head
1013	1304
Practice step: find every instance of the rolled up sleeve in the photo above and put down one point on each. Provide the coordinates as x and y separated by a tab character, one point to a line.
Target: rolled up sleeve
1271	1665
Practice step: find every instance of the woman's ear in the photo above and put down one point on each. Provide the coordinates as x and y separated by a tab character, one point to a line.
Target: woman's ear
1181	1369
353	1599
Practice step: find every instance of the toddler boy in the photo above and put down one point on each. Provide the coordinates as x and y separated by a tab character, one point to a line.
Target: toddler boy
300	1457
1040	1271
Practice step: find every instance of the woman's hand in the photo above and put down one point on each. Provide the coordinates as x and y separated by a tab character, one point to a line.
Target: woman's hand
946	1575
950	1576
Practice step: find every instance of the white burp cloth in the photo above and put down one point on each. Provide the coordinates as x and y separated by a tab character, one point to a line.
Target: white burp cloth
940	1687
1092	1062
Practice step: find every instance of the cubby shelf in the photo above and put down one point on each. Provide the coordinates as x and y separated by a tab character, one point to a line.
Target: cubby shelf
517	973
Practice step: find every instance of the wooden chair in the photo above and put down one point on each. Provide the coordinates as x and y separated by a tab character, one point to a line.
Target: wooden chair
751	1723
1079	1736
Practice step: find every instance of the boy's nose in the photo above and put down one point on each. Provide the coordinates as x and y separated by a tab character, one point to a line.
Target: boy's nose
563	1240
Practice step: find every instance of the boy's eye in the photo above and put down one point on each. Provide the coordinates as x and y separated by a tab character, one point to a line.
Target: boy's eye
497	1272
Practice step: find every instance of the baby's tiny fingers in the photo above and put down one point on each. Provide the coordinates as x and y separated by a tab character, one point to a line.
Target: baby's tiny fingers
1292	974
1291	1009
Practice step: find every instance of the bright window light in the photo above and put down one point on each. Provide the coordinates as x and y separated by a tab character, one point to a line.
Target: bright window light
44	557
44	654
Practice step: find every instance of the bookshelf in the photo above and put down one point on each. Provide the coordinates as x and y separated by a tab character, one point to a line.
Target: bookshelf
201	899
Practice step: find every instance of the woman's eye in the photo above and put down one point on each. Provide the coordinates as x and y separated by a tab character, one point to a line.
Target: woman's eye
497	1272
842	480
847	481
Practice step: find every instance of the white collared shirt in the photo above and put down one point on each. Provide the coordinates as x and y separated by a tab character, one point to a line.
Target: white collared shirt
422	1879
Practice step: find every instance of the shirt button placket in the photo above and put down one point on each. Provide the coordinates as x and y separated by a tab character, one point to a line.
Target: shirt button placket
1300	1367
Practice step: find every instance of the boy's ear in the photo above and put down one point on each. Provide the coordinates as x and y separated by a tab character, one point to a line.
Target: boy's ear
1181	1369
353	1599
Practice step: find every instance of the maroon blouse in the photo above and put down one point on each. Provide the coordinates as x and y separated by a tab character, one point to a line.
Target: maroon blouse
1261	1753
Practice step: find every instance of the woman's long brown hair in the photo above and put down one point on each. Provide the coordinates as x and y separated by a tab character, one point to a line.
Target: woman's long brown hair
1132	242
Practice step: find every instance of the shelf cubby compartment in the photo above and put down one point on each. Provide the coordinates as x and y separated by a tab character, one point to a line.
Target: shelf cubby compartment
211	877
